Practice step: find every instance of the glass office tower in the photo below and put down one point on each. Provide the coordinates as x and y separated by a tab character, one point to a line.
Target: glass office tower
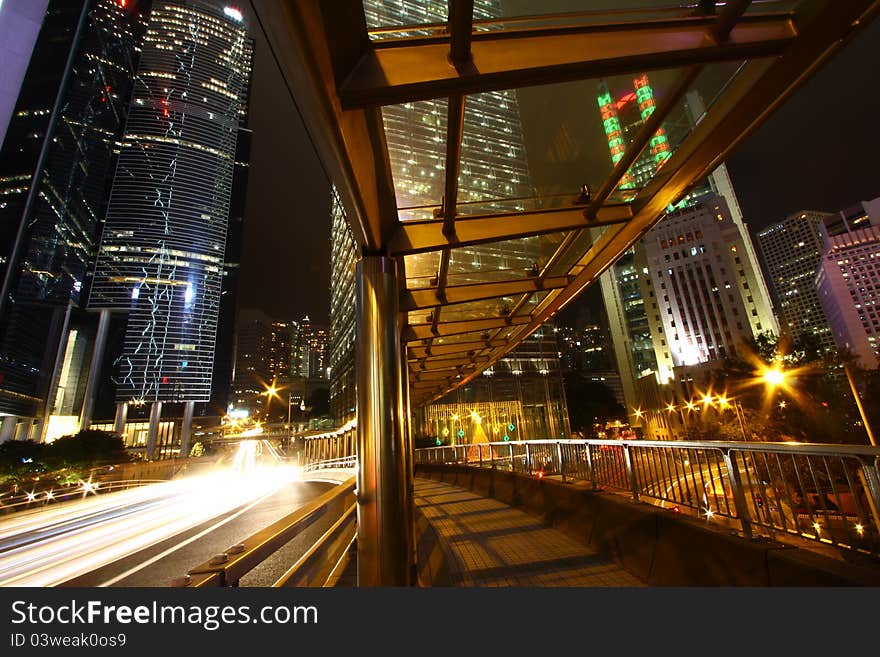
162	253
54	173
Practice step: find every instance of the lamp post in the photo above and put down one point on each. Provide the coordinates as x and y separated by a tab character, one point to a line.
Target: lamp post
855	392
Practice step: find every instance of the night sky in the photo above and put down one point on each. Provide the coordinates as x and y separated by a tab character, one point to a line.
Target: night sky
818	152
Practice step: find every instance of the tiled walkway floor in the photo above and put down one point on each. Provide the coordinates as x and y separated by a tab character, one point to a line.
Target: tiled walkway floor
492	544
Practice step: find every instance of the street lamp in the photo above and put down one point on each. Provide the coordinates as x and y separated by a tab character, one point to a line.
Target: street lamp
774	377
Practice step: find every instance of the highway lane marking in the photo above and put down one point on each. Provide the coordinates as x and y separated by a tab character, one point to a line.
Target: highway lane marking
170	550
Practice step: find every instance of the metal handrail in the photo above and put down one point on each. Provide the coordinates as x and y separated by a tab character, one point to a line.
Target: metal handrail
821	492
228	568
341	462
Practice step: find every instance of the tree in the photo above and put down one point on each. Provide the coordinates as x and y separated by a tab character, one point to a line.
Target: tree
86	449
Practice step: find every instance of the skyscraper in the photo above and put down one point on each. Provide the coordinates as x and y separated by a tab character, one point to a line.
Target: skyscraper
162	252
792	250
253	359
343	255
848	285
54	173
654	328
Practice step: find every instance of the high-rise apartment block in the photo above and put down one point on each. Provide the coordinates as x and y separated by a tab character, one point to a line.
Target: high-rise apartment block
848	286
791	250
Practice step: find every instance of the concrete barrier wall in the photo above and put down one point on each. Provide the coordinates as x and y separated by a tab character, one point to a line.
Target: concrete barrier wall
659	548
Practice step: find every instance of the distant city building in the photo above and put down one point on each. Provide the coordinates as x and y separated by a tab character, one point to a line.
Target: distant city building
848	285
858	215
283	336
162	254
55	168
521	397
253	359
319	346
791	251
343	255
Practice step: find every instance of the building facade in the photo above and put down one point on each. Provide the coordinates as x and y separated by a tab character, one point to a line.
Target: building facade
791	250
654	330
343	256
848	285
707	298
163	250
55	167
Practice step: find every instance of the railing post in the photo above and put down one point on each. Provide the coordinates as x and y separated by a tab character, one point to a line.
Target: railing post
590	471
510	450
739	498
528	459
480	452
631	472
559	457
871	481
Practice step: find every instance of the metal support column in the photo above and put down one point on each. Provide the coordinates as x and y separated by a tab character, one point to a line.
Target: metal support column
7	428
49	406
383	534
85	419
186	429
155	415
121	418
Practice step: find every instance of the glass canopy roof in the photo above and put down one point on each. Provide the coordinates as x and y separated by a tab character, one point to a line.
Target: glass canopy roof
509	151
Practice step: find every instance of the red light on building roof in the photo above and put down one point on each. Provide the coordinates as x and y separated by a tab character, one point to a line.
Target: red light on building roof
623	100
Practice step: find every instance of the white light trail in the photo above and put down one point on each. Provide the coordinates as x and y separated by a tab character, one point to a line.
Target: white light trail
49	546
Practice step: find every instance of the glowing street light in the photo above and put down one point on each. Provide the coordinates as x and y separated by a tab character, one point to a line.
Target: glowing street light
774	376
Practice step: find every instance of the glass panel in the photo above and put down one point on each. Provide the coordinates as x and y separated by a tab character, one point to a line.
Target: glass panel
385	18
421	269
416	138
649	90
484	309
500	261
430	18
546	13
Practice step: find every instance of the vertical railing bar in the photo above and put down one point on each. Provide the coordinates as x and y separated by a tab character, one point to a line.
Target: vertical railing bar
821	499
803	494
739	501
627	456
834	491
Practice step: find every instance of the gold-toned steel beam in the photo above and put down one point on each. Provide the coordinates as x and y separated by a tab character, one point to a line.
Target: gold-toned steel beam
434	364
422	236
461	21
427	297
420	351
422	331
396	71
